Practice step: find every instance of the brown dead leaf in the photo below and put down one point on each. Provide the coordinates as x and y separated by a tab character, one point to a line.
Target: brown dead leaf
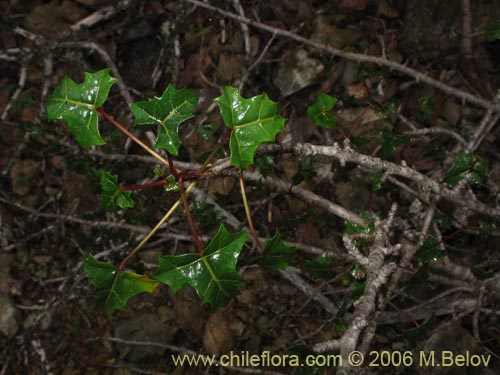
230	67
24	175
355	5
188	310
218	338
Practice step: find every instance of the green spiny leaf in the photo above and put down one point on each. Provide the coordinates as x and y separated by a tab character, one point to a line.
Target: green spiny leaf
375	180
306	171
466	163
172	185
253	121
391	141
212	275
319	112
426	104
168	111
276	253
352	228
429	251
114	287
76	104
493	30
112	197
320	268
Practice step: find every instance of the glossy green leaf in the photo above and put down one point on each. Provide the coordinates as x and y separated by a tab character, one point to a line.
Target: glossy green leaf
464	164
168	111
266	165
429	251
253	121
213	275
114	287
391	141
172	185
276	254
306	171
76	104
112	197
387	110
321	267
319	112
353	228
426	111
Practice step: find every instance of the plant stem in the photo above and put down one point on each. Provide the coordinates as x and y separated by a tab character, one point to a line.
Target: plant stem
161	182
121	128
171	166
248	213
182	199
192	224
154	230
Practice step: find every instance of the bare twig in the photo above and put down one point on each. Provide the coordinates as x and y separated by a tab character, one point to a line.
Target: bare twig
186	351
466	30
244	27
20	86
107	59
449	132
308	290
306	196
420	77
487	123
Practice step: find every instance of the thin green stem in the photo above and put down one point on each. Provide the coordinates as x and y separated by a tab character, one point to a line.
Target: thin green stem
248	213
182	199
121	128
155	229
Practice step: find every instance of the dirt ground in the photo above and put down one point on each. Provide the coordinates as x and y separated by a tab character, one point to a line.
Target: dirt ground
51	218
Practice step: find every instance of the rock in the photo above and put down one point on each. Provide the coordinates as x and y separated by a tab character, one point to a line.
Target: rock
454	339
9	317
188	309
386	10
349	74
230	67
327	33
24	175
147	327
452	111
79	193
300	72
218	337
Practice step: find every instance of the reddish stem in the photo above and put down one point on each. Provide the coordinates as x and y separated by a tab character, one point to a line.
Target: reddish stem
172	168
161	182
357	122
192	224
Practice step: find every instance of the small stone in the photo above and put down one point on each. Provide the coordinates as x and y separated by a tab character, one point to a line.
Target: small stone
452	111
24	175
301	72
58	162
386	10
8	317
146	327
246	296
